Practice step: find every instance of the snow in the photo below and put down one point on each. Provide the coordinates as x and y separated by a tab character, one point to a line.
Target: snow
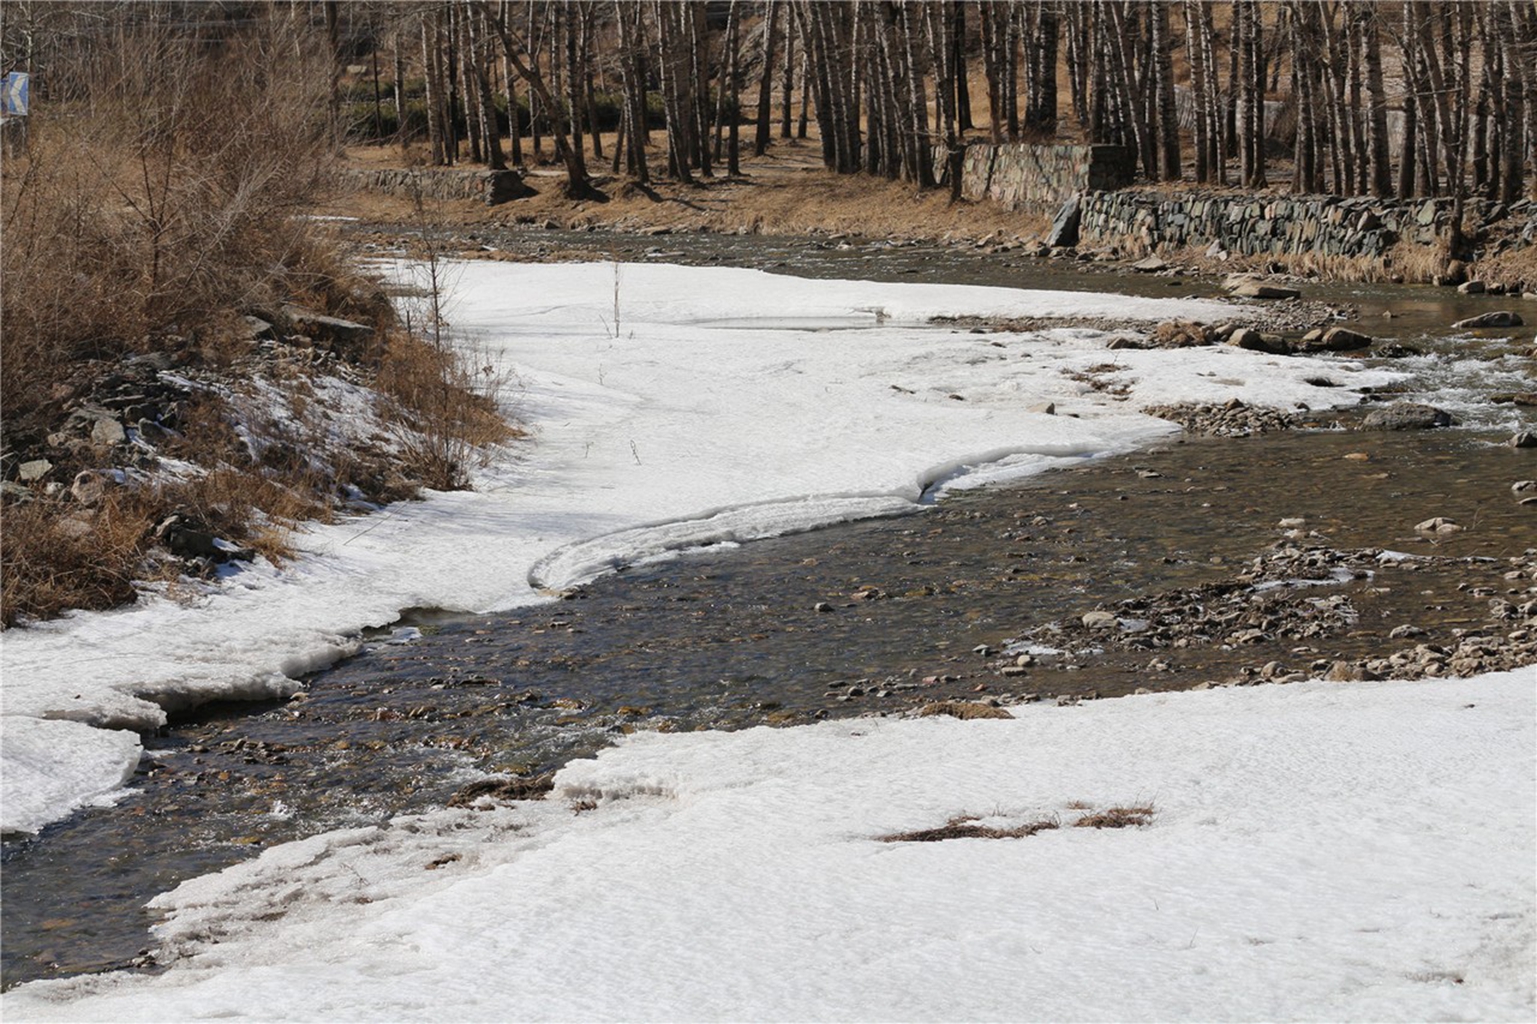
669	407
53	768
1317	851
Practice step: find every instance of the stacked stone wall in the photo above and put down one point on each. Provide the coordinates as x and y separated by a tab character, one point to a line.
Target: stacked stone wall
1038	178
1261	224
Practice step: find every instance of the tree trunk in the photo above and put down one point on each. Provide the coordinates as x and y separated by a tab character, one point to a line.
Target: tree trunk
578	185
1168	111
764	128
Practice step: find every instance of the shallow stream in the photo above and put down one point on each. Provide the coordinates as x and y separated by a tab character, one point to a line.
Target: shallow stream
874	617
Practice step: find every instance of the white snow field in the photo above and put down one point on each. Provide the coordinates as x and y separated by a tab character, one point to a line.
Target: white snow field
1319	851
669	407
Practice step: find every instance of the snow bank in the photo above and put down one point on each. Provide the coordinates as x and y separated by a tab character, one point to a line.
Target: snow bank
1317	851
52	767
669	406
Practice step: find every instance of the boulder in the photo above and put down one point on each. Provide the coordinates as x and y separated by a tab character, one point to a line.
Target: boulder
1407	416
1498	318
1254	341
1064	229
1439	525
1181	334
1150	265
1244	286
1099	620
1524	439
1471	288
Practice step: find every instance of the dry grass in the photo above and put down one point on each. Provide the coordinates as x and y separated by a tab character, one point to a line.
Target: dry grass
1137	816
58	556
962	709
965	827
784	192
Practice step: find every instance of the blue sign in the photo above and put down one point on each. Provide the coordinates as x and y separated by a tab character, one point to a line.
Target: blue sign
13	94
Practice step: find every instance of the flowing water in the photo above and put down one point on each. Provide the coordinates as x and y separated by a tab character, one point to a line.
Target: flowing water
873	617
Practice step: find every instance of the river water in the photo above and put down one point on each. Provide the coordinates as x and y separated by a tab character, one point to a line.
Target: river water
867	618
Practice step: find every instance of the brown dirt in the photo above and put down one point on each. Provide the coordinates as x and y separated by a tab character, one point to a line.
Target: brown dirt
784	192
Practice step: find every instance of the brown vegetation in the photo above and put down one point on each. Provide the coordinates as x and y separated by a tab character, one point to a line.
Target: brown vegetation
163	200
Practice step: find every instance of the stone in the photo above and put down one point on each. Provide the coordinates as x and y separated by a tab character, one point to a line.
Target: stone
108	431
36	469
1044	408
1181	334
1439	525
1150	265
1407	416
1405	631
1099	620
1254	341
1064	228
256	328
1524	439
89	485
1343	339
1471	288
1523	486
1498	318
1346	672
328	329
1246	287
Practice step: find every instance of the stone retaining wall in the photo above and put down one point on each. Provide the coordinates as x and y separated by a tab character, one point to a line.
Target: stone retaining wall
1260	224
490	187
1022	176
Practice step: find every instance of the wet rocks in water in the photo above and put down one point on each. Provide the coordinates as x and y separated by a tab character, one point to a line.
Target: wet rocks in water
517	787
1439	526
1234	419
1407	416
1333	339
1523	439
1099	620
1498	318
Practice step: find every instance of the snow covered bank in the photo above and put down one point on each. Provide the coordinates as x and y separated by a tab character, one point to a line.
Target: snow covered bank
1318	851
670	406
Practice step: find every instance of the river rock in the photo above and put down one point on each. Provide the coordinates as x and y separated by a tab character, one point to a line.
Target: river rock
1254	341
1150	265
1407	416
1498	318
1472	287
1180	334
1244	286
1524	439
1099	620
1440	525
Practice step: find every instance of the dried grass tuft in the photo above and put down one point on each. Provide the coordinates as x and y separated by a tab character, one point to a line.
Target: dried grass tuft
965	827
1138	815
